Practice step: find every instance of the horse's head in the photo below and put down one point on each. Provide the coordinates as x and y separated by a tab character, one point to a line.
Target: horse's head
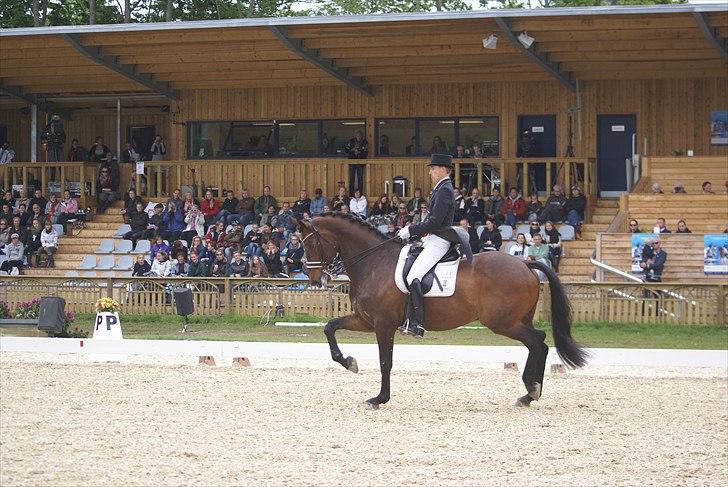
320	250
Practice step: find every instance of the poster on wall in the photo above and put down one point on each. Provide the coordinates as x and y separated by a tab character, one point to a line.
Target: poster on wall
719	127
715	254
639	242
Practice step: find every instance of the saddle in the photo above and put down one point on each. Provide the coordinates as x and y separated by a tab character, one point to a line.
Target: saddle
439	281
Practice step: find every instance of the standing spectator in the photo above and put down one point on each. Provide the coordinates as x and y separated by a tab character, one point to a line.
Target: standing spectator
7	154
707	187
141	267
411	148
414	203
130	203
575	207
553	240
55	136
472	234
160	266
660	226
474	208
246	209
514	208
555	205
358	205
197	268
99	151
195	225
494	208
129	154
180	267
257	267
48	245
227	208
209	208
302	204
263	202
219	267
520	248
38	199
174	222
106	190
158	149
238	266
439	146
159	246
357	148
53	209
139	223
272	260
634	226
682	227
654	266
490	238
318	202
294	256
341	199
15	251
383	145
77	153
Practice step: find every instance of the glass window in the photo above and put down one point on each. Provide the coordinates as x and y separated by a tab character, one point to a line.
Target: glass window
396	137
336	134
481	132
437	136
209	140
298	138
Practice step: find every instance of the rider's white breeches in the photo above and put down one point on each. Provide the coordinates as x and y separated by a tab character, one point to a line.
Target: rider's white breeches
434	248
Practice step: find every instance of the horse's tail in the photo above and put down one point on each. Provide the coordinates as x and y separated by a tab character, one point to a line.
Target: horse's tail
570	351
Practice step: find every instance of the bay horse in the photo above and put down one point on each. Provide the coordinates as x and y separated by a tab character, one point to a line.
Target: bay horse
499	290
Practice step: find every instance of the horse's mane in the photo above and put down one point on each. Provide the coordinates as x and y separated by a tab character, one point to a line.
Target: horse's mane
356	221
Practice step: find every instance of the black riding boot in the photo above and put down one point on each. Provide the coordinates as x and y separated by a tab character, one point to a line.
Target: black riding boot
415	311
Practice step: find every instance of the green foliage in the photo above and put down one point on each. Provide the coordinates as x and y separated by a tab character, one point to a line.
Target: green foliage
572	3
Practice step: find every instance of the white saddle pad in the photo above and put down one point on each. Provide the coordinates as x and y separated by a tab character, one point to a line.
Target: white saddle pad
446	276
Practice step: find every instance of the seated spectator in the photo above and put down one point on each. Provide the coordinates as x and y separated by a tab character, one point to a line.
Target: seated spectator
474	208
554	207
32	244
238	267
15	251
195	225
139	223
188	203
8	199
514	208
656	188
4	232
7	154
98	151
156	225
660	226
53	209
209	208
77	152
490	238
178	248
380	211
459	205
21	200
402	218
534	228
6	212
176	198
553	240
539	252
257	267
158	246
272	260
653	265
252	241
160	266
17	227
48	245
130	204
679	188
263	202
24	216
206	249
286	219
520	248
197	267
179	267
682	227
421	214
38	199
459	152
197	246
294	256
141	267
174	222
36	214
341	199
106	189
707	188
391	230
228	208
216	234
358	204
394	203
269	217
302	204
219	267
414	203
344	209
472	234
69	208
234	241
327	209
634	227
494	207
318	202
575	207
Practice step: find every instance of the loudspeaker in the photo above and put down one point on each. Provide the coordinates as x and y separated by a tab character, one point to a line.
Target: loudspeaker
52	314
183	301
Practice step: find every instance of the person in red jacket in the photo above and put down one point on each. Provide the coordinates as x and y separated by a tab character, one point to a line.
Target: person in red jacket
514	208
209	208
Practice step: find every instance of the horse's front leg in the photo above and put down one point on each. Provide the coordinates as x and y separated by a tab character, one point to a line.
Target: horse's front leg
385	340
350	322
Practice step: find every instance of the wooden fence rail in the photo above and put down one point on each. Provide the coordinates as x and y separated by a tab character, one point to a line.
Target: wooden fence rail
617	302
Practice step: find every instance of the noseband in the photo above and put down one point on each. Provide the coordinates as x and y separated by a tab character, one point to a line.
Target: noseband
318	264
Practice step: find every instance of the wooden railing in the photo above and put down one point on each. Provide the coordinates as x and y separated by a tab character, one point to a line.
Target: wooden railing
617	302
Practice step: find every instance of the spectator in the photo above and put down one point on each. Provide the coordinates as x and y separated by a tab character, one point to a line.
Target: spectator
476	151
139	223
37	214
39	200
357	148
341	199
129	154
575	207
269	217
494	208
197	267
55	136
707	188
8	199
180	267
4	232
414	203
15	251
32	244
411	148
197	246
160	266
459	152
219	267
318	202
245	209
391	230
380	210
77	152
682	227
174	222
263	202
358	205
234	240
257	267
158	149
490	238
395	201
22	200
660	226
553	240
514	208
402	218
555	205
294	256
52	209
209	209
383	145
534	228
195	225
474	208
6	213
302	204
216	234
520	248
538	251
155	225
472	234
654	265
344	209
189	202
420	214
634	227
107	190
130	204
656	188
48	245
272	260
238	266
7	154
286	219
141	267
17	227
176	198
159	245
228	209
178	247
99	151
439	146
459	205
24	216
679	188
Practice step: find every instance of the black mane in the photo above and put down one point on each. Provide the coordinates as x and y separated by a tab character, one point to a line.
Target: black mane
357	221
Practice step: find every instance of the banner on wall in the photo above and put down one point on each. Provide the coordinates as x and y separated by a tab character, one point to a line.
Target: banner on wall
719	127
639	242
715	256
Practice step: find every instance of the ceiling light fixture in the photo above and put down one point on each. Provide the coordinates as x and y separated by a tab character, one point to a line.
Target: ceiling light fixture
525	39
490	42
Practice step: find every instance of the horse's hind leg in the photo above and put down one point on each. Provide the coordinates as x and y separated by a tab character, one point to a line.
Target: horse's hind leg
350	322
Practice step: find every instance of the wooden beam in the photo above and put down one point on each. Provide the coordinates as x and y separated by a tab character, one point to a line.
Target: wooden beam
313	56
711	35
128	71
17	93
538	58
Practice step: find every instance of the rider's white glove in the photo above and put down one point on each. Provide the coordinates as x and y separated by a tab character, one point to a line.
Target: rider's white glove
403	233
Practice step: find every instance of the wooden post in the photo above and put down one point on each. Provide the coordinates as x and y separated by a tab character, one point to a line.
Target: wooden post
137	180
457	173
6	178
479	176
43	180
720	306
587	174
63	179
179	177
326	179
548	175
524	179
502	176
25	178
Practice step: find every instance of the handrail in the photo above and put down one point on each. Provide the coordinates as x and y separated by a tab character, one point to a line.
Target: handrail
613	270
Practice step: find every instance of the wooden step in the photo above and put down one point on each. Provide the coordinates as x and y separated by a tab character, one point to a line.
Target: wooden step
607	203
606	219
607	210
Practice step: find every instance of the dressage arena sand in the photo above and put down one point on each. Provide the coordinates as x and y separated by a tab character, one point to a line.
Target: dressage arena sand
163	423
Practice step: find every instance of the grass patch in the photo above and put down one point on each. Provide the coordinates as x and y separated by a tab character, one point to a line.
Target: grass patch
248	328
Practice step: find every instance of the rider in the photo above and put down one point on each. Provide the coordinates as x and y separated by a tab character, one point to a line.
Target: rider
437	234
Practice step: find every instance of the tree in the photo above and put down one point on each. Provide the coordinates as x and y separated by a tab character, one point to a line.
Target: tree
573	3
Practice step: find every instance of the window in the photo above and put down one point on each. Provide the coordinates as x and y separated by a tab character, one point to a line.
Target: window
298	138
210	140
482	132
437	136
337	133
396	137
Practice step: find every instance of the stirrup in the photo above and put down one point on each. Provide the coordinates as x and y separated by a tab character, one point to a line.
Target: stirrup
416	331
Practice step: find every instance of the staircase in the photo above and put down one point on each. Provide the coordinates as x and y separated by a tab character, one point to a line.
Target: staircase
575	265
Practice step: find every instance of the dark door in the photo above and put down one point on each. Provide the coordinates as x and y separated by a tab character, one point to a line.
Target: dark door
142	138
3	134
614	145
536	138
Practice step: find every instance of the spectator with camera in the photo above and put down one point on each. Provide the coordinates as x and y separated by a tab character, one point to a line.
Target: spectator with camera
660	226
475	208
653	261
174	222
341	199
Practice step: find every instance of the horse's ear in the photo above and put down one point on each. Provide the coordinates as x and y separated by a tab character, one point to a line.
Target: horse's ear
299	222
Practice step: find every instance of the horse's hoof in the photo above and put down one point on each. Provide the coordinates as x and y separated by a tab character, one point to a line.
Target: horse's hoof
523	402
351	365
370	405
534	391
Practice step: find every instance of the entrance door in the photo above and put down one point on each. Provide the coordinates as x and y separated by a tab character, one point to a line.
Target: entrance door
614	145
536	138
142	138
3	134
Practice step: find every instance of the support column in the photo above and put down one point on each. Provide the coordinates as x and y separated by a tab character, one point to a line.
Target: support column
118	133
34	133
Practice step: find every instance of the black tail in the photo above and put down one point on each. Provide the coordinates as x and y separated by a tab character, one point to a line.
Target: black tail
571	353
